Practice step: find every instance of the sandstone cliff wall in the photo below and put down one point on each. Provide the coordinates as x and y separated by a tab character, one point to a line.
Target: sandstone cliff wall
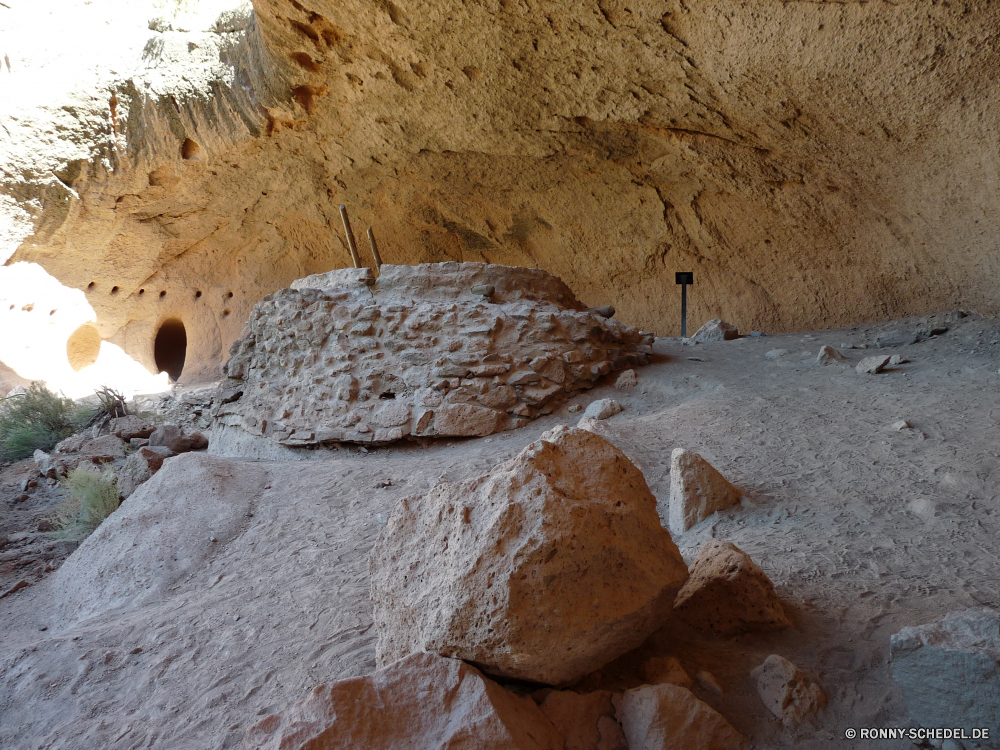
814	163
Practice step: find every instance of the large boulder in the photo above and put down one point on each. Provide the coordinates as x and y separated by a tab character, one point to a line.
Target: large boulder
697	490
728	593
715	330
949	671
545	569
655	717
423	701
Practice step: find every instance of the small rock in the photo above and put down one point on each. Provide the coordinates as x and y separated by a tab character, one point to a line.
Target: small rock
902	424
20	498
776	353
697	491
655	717
828	354
49	466
872	365
657	670
715	330
575	408
602	409
172	437
139	442
757	334
706	681
897	359
139	467
484	290
46	525
728	594
605	311
28	484
71	444
130	427
627	380
786	691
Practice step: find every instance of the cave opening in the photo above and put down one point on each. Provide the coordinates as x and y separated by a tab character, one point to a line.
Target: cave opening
170	348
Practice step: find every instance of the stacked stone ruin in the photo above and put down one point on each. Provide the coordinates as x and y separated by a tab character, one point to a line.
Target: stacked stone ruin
439	349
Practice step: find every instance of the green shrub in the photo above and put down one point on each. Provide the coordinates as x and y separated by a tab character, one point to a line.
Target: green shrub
92	498
37	418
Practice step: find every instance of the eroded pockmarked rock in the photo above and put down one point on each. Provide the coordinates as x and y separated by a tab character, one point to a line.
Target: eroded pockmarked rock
727	593
586	721
786	691
654	717
343	357
424	701
715	330
697	491
949	671
545	569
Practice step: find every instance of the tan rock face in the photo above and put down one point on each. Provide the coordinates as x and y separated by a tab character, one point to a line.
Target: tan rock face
774	155
545	569
341	357
728	593
586	721
661	716
423	701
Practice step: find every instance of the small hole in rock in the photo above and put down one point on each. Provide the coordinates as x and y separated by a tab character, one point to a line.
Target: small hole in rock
142	291
91	285
163	294
229	296
114	290
52	312
387	394
190	149
226	313
197	295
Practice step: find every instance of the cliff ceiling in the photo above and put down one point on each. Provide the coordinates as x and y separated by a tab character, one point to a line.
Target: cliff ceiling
815	164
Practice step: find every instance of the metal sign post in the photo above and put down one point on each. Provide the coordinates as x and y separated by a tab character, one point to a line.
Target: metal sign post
684	278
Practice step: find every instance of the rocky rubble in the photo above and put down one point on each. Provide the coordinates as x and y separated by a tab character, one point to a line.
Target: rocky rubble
345	357
786	691
655	717
545	569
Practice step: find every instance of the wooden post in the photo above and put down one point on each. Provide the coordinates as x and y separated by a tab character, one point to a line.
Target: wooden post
378	258
350	237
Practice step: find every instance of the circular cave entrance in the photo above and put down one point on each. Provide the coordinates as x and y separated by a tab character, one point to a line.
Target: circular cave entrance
170	348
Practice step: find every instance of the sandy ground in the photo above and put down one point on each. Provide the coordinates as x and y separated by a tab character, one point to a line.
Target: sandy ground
224	590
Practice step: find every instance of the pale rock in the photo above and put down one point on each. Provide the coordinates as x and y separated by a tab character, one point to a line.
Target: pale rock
895	338
575	408
172	437
627	380
658	669
602	409
139	467
657	717
129	427
103	449
71	444
728	594
697	491
52	466
423	701
715	330
898	425
545	569
872	365
786	691
828	354
949	670
897	359
586	721
776	353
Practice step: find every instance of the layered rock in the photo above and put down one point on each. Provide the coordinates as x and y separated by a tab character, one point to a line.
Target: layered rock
423	701
949	671
344	357
728	593
545	569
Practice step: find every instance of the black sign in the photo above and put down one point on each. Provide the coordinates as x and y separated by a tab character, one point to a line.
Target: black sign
684	277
